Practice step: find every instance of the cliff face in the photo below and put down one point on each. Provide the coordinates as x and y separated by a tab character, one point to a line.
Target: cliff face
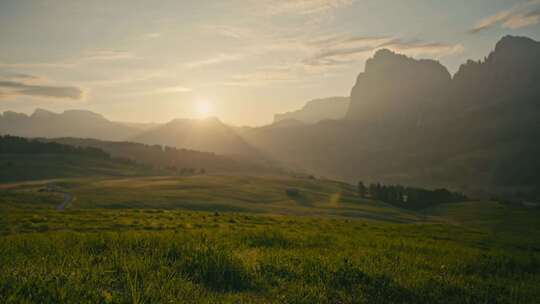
396	87
511	73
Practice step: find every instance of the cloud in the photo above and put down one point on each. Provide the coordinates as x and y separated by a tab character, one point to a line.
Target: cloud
13	88
302	7
519	16
89	57
157	91
262	77
230	31
419	48
149	36
175	89
25	76
109	55
38	65
300	59
217	59
9	75
338	51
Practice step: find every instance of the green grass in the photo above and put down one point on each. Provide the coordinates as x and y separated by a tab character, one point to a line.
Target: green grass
225	193
163	250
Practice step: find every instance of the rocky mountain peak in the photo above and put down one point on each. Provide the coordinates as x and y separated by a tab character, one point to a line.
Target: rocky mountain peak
393	84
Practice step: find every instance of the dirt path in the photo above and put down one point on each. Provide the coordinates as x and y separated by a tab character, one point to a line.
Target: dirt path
68	197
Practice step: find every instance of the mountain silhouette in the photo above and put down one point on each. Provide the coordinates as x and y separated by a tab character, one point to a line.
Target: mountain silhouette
71	123
410	122
317	110
396	87
207	135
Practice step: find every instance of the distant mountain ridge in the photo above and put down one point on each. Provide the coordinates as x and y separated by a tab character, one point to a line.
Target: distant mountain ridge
317	110
207	135
70	123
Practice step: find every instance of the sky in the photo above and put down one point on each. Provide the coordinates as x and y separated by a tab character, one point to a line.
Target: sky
240	60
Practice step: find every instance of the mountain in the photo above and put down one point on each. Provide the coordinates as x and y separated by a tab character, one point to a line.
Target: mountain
510	74
72	123
410	122
317	110
284	124
207	135
396	87
141	126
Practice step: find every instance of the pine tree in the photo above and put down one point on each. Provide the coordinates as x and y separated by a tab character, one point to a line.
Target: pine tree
362	190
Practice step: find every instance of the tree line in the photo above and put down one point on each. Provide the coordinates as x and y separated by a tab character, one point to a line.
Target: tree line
19	145
409	197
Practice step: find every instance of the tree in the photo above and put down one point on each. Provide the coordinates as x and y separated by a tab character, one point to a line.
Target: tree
412	198
362	190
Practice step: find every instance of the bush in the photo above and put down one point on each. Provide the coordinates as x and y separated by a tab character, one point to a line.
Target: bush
292	192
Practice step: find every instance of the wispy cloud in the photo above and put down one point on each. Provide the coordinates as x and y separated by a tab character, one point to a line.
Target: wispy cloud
108	55
174	89
14	88
231	31
216	59
327	55
302	7
89	57
179	89
263	76
16	76
421	48
519	16
38	65
148	36
338	51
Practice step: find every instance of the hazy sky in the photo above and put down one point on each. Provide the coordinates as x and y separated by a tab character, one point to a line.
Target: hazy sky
241	60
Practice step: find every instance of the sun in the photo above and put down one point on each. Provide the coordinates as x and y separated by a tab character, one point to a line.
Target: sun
203	108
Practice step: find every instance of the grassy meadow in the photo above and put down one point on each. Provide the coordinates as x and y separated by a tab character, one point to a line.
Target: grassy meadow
222	239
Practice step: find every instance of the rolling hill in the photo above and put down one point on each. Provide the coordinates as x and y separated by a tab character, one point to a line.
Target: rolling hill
170	157
240	239
22	159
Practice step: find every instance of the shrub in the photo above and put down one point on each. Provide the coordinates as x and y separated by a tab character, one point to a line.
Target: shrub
292	192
